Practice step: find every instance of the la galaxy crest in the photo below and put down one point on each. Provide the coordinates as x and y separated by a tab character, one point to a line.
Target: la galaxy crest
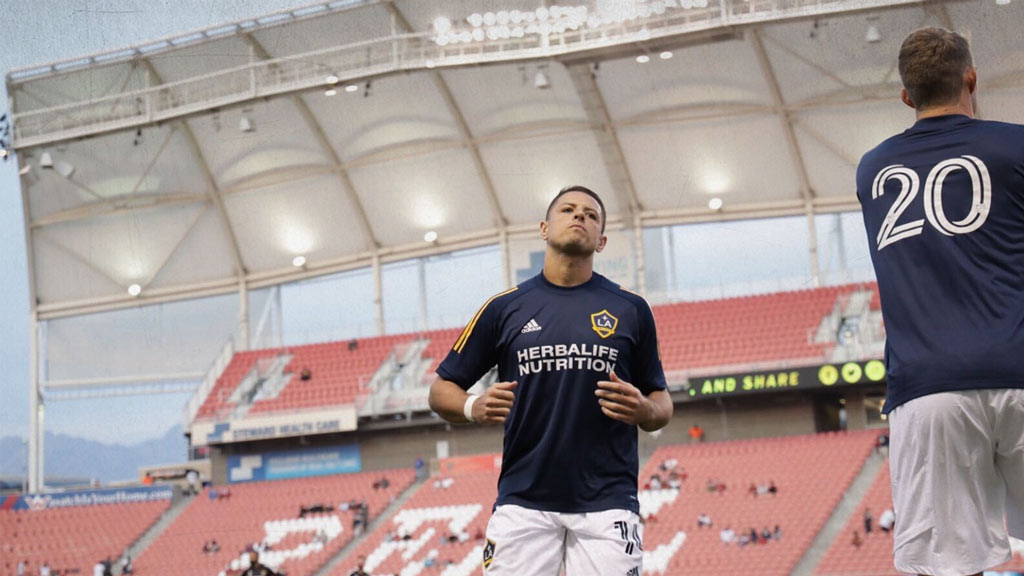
489	553
603	323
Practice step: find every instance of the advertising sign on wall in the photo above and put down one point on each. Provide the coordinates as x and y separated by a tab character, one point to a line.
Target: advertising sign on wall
801	378
294	464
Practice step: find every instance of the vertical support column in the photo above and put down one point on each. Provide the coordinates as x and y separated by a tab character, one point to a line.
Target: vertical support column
278	318
243	315
378	295
844	267
812	233
421	269
35	421
506	260
638	253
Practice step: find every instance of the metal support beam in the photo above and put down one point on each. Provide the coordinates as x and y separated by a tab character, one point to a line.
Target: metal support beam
506	259
594	106
812	243
212	189
243	315
378	294
498	216
36	428
328	150
785	119
639	256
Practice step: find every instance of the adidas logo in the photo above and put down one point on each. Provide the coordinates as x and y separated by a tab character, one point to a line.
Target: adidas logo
531	326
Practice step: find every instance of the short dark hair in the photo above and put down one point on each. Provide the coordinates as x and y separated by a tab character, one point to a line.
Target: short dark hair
585	190
932	63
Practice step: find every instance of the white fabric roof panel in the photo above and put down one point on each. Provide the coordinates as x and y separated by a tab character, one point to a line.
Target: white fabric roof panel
702	123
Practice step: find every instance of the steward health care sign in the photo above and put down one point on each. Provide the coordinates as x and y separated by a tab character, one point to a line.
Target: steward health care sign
802	378
332	420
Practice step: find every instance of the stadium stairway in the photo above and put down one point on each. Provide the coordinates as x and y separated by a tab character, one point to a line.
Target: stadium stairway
154	531
381	518
834	525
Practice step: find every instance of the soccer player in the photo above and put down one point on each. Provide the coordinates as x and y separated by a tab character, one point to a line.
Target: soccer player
943	205
579	371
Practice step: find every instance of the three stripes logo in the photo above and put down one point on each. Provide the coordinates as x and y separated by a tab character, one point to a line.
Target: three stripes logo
530	326
630	535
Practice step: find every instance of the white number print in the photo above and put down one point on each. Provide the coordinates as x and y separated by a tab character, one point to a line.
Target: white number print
890	232
981	199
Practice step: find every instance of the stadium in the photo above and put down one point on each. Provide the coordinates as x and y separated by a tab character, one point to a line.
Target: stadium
277	227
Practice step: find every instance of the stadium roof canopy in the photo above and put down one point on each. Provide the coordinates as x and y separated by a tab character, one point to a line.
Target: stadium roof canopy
193	165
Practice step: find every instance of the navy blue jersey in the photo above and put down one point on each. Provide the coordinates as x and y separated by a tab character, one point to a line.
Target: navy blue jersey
561	453
943	205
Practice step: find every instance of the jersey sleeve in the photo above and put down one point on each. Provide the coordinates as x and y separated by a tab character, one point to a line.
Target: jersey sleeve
650	376
476	349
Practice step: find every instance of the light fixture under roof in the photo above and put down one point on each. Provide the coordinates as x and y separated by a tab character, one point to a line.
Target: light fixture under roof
330	92
46	160
1002	2
244	124
430	236
666	55
332	79
352	88
64	169
715	203
25	169
442	25
299	261
541	81
872	36
643	59
134	290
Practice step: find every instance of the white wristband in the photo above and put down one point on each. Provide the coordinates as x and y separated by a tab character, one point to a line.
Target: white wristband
467	408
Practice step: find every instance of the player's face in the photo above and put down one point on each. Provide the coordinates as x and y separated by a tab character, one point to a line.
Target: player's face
573	226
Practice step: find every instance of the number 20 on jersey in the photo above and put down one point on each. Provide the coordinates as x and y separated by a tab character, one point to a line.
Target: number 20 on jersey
981	187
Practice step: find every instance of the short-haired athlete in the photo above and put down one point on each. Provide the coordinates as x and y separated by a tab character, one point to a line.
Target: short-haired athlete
943	205
578	372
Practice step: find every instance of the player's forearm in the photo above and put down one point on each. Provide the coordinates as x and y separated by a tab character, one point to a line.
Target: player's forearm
659	411
448	400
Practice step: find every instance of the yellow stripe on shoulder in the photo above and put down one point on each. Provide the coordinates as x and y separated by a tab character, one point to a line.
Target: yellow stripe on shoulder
461	342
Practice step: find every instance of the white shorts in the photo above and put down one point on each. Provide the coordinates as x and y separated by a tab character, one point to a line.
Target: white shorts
957	467
524	542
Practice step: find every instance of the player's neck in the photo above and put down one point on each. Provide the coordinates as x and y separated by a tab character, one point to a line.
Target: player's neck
567	271
964	108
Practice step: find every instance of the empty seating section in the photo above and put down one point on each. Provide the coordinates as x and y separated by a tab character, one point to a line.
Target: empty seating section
745	330
336	373
811	473
693	335
72	539
427	517
260	510
874	557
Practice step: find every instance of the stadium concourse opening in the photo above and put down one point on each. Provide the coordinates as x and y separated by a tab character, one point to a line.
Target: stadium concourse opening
279	225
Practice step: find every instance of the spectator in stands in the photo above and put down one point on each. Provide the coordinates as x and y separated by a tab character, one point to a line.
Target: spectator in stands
703	520
669	464
353	344
97	570
212	494
359	571
44	569
655	482
868	519
696	433
674	481
126	565
777	533
857	541
762	489
752	490
192	477
108	567
305	374
887	520
211	547
754	539
147	480
727	535
257	569
224	493
766	535
772	488
882	444
419	465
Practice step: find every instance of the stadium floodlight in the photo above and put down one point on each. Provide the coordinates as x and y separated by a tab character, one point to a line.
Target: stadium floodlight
430	236
666	55
541	81
873	35
352	88
715	203
134	290
643	59
45	160
442	25
64	169
330	92
332	80
299	261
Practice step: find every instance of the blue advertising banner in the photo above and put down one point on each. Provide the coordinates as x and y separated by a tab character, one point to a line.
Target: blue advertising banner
92	497
294	464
